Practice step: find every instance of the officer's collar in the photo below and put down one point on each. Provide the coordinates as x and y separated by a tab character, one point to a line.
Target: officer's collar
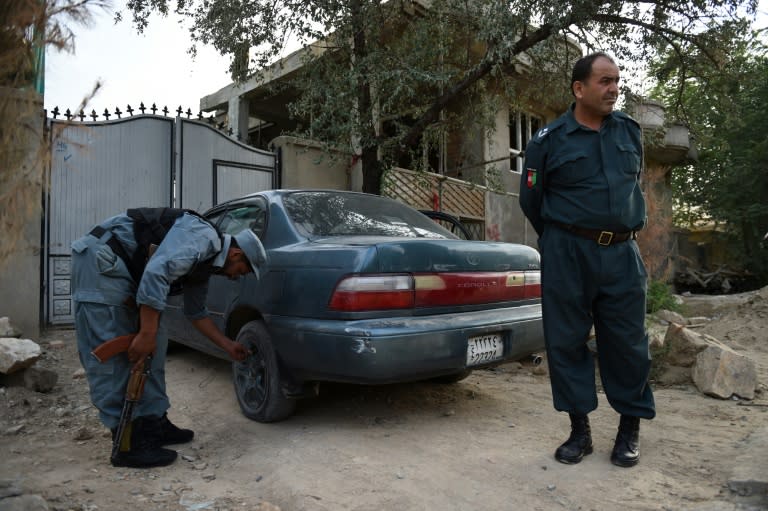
571	124
221	257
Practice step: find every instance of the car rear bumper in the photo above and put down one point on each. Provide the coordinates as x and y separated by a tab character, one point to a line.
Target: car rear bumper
399	349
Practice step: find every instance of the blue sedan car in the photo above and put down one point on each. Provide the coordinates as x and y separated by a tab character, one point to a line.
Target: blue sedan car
363	289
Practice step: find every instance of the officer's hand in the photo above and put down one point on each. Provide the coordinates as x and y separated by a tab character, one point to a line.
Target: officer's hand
237	351
142	345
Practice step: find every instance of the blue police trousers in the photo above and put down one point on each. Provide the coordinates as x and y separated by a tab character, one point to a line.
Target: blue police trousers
584	283
102	289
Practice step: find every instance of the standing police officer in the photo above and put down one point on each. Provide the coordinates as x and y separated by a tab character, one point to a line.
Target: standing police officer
118	289
581	192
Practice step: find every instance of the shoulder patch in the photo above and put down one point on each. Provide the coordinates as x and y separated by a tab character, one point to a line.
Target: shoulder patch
546	130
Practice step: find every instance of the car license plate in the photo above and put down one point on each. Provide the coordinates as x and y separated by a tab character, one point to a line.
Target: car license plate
484	348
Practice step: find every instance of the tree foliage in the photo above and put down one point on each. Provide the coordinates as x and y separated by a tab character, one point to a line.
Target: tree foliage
725	109
424	66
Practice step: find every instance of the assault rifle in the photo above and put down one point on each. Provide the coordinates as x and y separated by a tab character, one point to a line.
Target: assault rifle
133	392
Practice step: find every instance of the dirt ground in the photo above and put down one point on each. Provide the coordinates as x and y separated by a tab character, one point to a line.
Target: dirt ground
485	443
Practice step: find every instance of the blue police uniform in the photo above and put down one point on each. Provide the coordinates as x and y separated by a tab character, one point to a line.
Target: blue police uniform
106	299
581	192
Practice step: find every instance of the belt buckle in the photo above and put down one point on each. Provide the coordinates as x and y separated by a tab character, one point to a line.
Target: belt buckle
601	239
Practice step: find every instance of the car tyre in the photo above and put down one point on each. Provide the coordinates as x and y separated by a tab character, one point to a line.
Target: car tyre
453	377
257	379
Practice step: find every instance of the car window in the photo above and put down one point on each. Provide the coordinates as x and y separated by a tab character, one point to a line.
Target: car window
321	213
248	216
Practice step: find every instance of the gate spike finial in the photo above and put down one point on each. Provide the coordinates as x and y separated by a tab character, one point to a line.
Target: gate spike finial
129	110
55	112
67	114
200	115
189	113
179	111
118	112
106	114
142	107
94	115
165	111
81	115
154	108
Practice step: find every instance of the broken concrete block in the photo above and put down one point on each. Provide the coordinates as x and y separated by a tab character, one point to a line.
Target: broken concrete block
683	344
721	372
17	354
671	317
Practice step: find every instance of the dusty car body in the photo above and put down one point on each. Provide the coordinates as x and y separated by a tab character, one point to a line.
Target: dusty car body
363	289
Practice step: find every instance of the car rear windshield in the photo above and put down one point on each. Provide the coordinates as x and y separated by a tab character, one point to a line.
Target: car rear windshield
319	214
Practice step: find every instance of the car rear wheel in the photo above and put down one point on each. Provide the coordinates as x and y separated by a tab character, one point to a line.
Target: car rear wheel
257	378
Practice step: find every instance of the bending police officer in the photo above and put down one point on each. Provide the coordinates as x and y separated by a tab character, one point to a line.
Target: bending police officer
118	289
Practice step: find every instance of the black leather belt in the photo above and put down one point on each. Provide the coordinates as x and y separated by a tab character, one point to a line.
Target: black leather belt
604	238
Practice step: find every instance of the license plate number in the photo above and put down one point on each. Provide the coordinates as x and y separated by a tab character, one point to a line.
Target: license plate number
484	348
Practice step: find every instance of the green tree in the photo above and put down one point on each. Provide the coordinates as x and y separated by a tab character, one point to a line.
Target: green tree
422	66
725	110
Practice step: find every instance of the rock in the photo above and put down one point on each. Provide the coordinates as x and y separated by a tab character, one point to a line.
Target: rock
682	345
17	354
9	488
6	329
24	503
79	374
39	379
56	345
709	305
721	372
749	476
83	434
656	335
15	430
671	317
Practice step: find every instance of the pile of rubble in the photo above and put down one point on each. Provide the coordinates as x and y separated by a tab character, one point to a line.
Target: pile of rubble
683	353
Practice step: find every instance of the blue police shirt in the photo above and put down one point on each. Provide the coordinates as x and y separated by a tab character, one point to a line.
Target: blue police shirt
188	243
578	176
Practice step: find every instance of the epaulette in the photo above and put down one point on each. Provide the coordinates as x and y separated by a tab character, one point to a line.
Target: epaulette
549	128
626	116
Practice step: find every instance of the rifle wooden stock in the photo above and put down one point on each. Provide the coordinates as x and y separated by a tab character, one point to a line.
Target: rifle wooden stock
112	347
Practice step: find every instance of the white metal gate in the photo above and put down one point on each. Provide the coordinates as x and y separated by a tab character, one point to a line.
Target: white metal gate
100	169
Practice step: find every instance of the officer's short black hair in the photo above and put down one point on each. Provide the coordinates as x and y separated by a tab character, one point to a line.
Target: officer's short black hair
583	67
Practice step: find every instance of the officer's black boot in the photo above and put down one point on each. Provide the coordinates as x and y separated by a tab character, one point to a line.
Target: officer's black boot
144	449
579	444
626	450
171	434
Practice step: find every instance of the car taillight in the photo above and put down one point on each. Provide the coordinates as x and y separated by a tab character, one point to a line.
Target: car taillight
373	292
403	291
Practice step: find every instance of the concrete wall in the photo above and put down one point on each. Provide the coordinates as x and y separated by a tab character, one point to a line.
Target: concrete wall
304	164
20	274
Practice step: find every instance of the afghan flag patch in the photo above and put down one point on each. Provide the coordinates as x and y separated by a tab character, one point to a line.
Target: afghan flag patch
531	178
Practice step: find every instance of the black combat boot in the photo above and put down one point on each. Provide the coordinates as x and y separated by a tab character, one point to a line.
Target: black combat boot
144	447
626	450
171	434
579	444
